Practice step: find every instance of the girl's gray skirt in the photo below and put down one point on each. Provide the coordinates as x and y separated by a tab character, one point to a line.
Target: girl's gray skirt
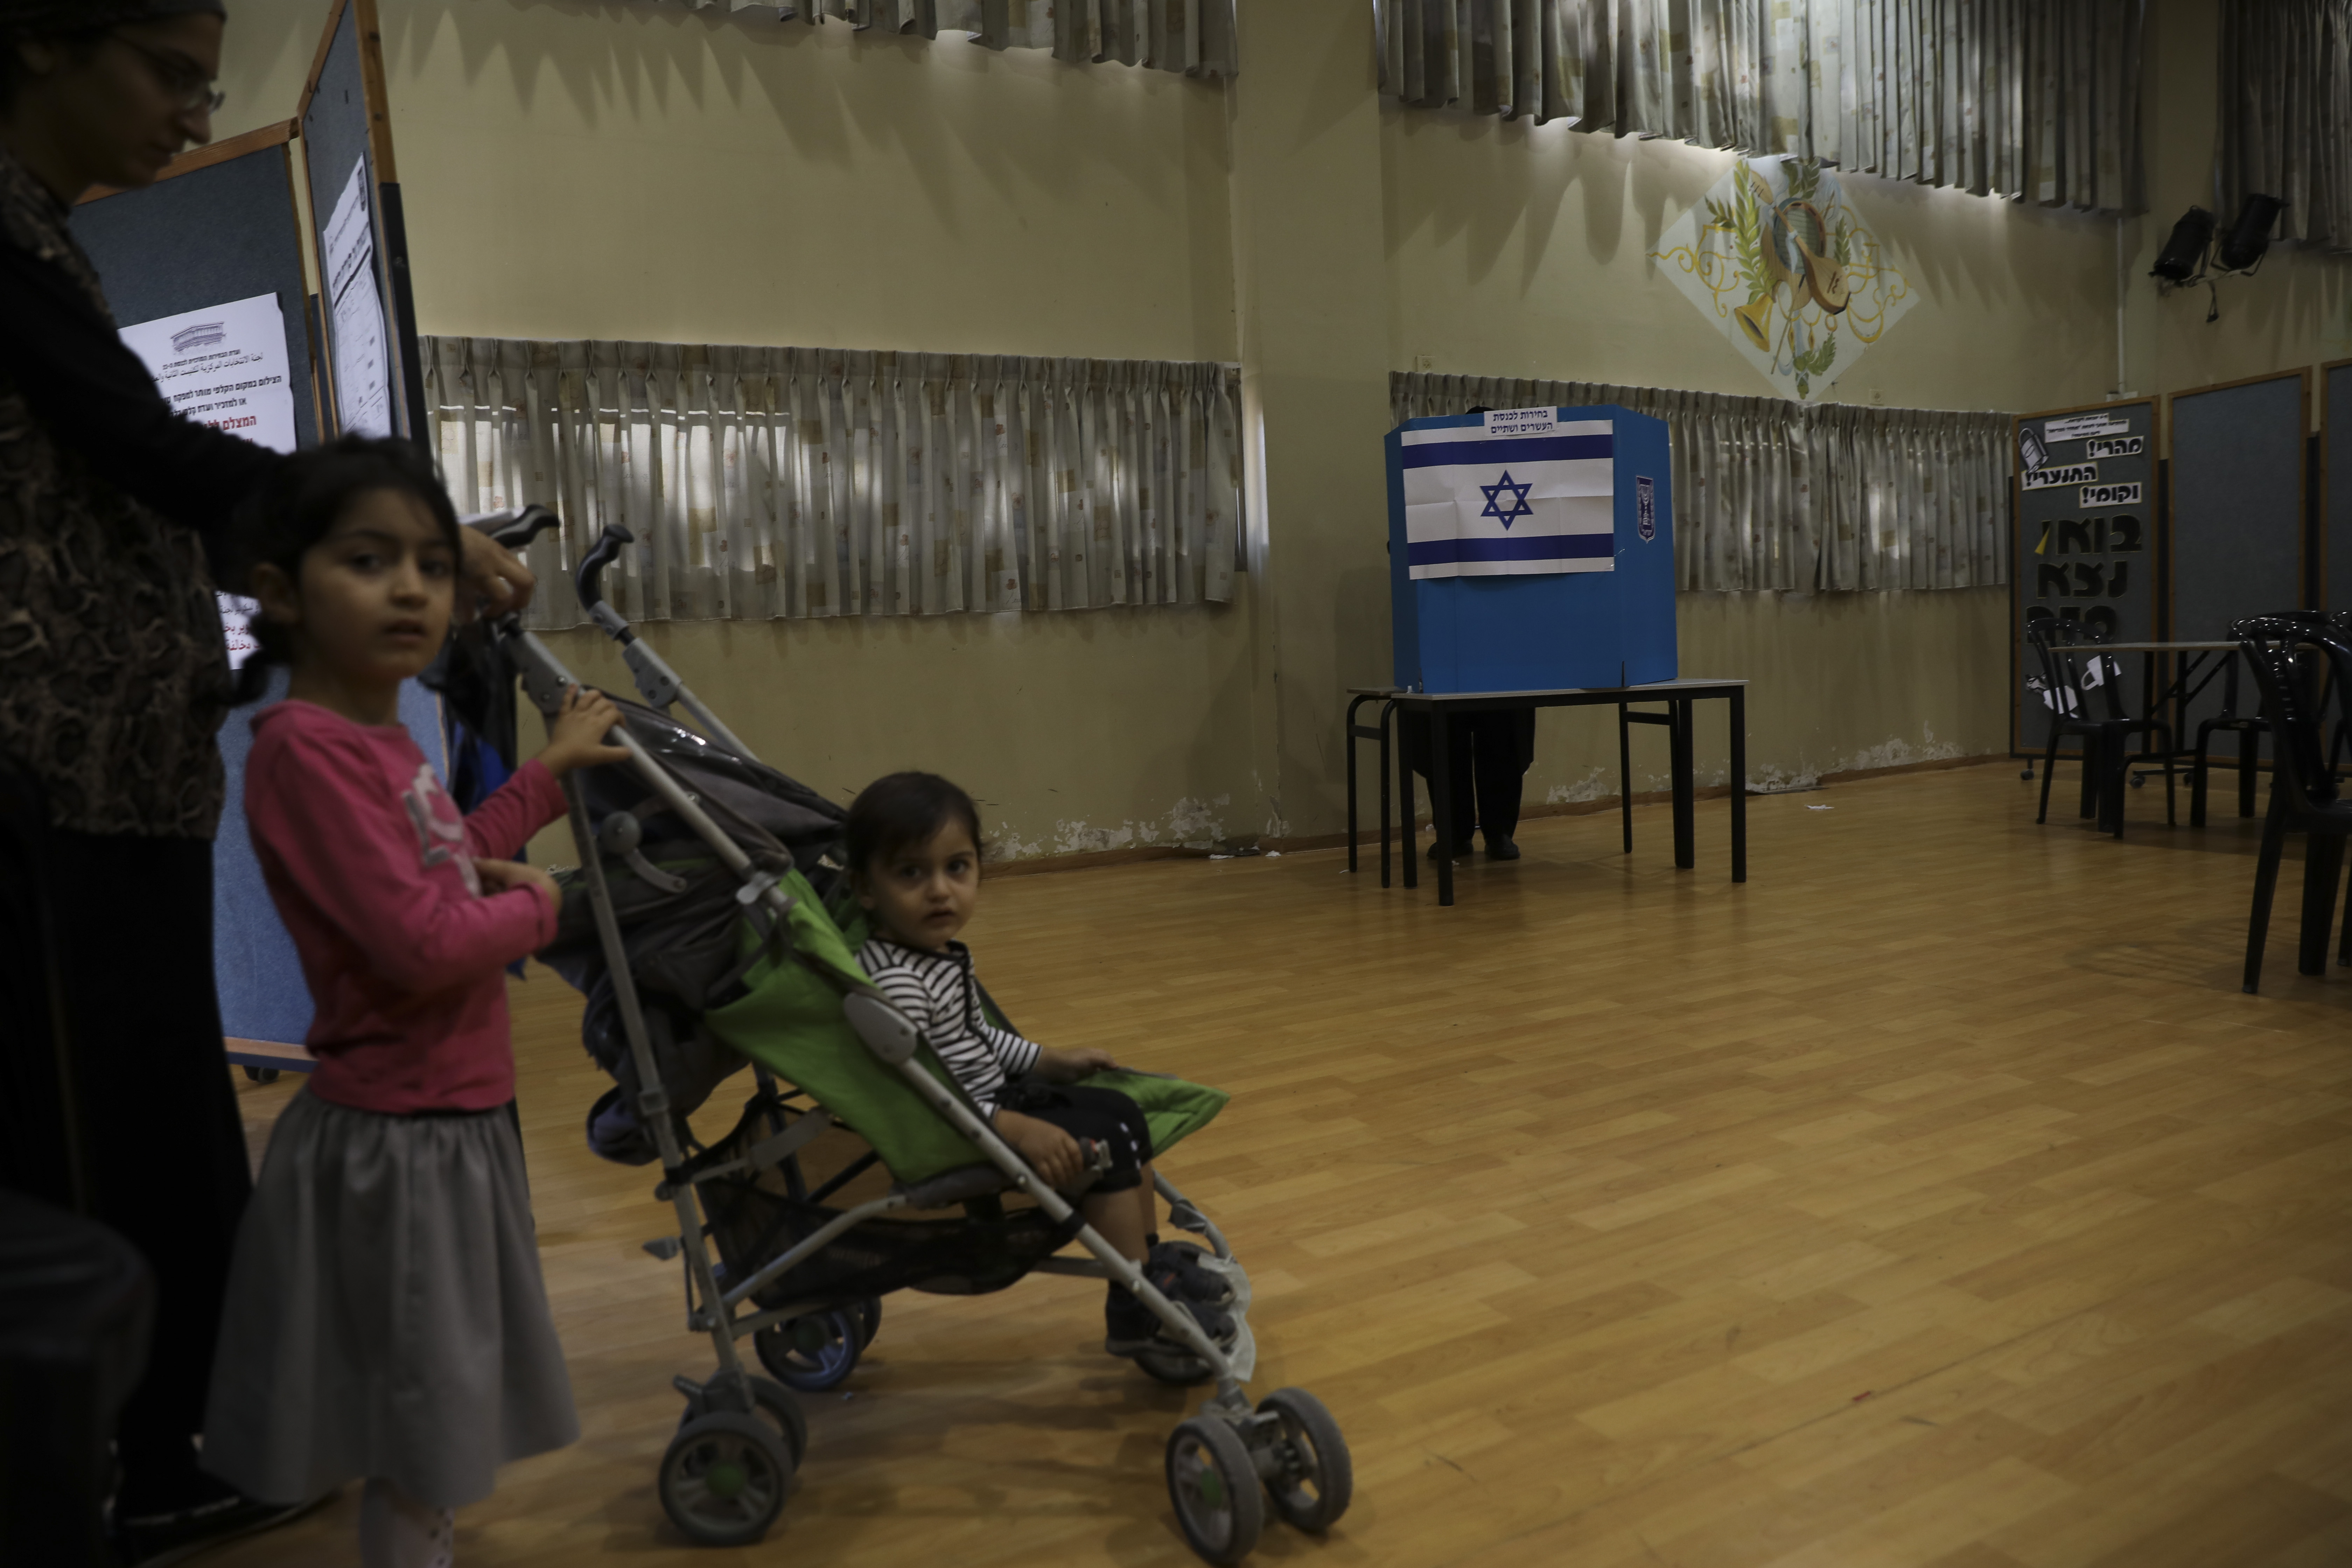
385	1315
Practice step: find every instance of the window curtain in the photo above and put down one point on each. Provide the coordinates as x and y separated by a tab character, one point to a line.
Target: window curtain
1773	494
2032	100
2286	112
1194	37
766	483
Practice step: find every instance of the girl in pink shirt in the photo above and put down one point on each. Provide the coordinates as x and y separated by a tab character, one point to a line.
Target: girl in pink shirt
385	1319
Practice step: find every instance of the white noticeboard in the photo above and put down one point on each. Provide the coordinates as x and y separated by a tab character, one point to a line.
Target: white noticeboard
362	379
225	366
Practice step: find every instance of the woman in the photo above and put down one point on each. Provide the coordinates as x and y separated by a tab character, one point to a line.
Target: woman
113	679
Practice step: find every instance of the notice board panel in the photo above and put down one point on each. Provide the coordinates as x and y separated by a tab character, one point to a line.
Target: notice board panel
2085	543
2336	482
358	234
219	225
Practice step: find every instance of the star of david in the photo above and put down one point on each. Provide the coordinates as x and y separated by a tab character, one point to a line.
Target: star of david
1518	507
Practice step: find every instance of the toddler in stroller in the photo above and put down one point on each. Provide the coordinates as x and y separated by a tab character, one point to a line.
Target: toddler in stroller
712	924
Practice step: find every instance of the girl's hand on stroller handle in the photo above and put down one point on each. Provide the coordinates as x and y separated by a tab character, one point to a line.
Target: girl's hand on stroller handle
505	876
576	735
495	574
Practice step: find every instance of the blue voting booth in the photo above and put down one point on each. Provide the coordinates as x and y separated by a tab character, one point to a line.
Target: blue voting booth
1531	549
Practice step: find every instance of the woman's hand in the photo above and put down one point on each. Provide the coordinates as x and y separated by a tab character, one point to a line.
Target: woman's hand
1068	1067
1050	1152
505	876
494	573
576	738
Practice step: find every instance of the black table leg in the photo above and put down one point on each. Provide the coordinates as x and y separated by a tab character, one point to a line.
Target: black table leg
1739	783
1409	842
1348	733
1678	734
2250	754
1441	800
1625	775
1388	713
2323	863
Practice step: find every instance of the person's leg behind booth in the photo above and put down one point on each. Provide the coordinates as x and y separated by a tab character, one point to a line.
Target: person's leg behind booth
1412	737
1503	745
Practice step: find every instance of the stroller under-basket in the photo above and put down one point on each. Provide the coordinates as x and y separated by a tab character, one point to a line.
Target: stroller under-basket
709	928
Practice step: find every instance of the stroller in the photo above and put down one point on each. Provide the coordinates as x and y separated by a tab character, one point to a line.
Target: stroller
710	927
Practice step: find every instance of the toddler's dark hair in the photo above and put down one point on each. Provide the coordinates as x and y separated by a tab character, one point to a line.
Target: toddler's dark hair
300	507
902	809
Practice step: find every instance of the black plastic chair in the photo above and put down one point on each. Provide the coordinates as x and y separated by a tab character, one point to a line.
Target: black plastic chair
2083	688
2249	729
2296	659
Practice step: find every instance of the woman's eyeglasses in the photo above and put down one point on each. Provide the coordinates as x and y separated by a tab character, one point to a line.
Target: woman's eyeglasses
182	81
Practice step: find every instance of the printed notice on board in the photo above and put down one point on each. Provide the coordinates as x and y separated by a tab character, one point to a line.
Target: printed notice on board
363	373
225	366
2082	425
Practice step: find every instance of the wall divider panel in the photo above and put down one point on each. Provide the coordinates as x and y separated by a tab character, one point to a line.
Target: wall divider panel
2236	530
2336	484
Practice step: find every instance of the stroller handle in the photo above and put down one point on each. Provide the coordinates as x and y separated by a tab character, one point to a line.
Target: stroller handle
514	527
589	579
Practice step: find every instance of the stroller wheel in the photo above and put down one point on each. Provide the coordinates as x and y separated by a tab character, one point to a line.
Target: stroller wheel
724	1478
772	1403
814	1353
1315	1478
262	1075
869	1320
1215	1489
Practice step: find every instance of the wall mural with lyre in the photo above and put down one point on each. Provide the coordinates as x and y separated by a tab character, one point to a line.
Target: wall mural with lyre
1780	261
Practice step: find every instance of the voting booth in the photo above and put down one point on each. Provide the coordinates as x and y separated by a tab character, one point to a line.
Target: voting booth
1531	549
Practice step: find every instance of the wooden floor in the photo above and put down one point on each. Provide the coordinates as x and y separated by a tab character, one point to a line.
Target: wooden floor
1935	1199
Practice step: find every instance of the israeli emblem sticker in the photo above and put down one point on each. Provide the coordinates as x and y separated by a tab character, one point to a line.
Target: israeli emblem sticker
1645	508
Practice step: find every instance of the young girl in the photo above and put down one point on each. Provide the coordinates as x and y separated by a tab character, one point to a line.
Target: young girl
914	859
385	1317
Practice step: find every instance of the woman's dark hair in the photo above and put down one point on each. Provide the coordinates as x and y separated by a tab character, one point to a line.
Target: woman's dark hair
300	506
902	809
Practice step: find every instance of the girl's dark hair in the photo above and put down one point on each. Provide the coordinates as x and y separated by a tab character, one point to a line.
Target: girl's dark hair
902	809
301	505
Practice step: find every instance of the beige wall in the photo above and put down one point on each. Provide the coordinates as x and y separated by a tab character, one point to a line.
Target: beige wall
614	171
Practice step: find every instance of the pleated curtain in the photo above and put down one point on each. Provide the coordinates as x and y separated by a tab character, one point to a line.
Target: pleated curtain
2285	114
1194	37
2032	100
1770	494
767	482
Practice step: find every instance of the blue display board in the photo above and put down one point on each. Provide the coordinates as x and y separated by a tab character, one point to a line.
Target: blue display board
367	306
1531	550
2238	539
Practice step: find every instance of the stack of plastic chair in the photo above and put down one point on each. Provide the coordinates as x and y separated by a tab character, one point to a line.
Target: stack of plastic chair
76	1301
2296	658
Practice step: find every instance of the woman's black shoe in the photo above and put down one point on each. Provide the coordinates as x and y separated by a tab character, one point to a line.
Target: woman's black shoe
1501	850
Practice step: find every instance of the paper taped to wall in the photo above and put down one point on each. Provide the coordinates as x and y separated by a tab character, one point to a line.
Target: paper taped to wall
225	366
363	373
2082	424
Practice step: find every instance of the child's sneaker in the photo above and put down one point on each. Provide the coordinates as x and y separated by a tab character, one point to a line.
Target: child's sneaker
1129	1327
1175	1264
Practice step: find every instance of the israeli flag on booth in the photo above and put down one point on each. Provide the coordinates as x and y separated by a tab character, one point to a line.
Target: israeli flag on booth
1526	496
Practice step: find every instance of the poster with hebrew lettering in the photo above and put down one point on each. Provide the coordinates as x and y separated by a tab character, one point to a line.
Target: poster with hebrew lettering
1776	255
2085	543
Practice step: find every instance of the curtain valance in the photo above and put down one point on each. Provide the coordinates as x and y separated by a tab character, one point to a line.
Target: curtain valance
765	482
1773	494
2285	113
2033	100
1193	37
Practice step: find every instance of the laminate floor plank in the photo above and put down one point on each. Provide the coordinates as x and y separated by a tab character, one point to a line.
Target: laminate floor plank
1933	1199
